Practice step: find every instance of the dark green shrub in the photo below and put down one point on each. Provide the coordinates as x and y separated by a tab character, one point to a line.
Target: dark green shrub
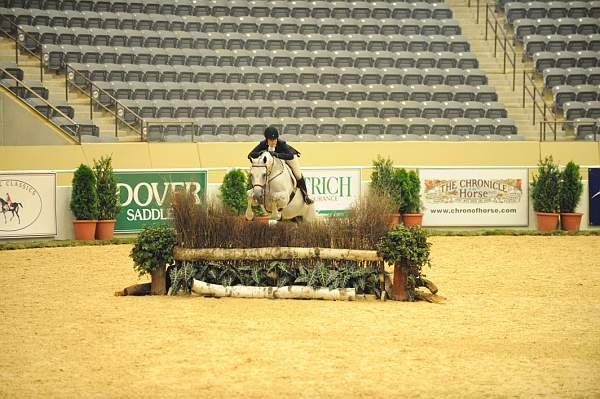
153	248
233	191
106	186
407	248
545	187
570	188
410	187
84	197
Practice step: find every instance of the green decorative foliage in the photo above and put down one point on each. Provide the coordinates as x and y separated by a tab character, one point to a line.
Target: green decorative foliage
153	248
84	197
385	180
330	274
409	249
570	188
233	191
545	187
411	191
106	186
182	277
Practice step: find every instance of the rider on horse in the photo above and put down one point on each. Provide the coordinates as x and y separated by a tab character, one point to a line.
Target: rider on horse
280	149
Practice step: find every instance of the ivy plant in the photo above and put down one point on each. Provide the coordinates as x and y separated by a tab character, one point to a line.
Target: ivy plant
153	248
407	248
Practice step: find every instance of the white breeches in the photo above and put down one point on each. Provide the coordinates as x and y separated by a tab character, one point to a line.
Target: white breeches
294	165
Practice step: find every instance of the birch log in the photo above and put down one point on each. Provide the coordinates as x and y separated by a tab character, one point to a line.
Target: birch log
287	292
191	254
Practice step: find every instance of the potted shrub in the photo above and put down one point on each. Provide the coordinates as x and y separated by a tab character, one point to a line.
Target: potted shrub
408	250
84	203
545	194
233	191
569	196
152	253
411	198
385	182
108	198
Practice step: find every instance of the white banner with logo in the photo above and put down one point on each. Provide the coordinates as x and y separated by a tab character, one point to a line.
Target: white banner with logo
28	203
475	197
333	190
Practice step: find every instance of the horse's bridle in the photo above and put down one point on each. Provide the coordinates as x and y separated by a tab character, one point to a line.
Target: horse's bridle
268	179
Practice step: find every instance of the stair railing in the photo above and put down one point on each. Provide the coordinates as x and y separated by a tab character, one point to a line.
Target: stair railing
539	105
55	111
509	55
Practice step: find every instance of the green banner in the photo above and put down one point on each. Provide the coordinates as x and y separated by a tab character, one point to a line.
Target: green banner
143	196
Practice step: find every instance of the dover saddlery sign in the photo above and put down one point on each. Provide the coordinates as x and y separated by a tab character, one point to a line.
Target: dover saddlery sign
594	194
475	197
28	205
333	190
143	195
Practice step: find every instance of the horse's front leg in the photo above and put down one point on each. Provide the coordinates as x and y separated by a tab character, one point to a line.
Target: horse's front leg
249	211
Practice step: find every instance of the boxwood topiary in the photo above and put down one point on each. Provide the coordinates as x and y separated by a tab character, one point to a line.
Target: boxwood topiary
84	197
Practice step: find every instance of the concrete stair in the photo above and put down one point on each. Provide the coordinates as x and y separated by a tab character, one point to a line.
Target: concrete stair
493	67
55	83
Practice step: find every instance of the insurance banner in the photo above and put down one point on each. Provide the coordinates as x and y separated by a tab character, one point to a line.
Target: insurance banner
475	197
594	194
28	205
333	190
144	196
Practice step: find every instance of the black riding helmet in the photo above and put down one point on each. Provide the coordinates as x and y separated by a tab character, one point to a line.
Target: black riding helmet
271	133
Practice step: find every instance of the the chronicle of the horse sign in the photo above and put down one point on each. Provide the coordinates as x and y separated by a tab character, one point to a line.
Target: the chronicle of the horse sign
25	206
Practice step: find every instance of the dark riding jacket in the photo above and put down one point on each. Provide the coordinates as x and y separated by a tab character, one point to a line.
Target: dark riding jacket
282	150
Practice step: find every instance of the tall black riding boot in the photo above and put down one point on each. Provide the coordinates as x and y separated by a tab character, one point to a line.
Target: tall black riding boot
302	186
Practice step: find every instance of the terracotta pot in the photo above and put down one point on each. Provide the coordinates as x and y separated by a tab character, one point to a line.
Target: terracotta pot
262	219
547	221
570	221
412	219
105	229
395	219
84	229
399	285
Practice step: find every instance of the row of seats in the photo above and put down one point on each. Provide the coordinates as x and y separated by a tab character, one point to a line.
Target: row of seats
333	129
553	9
58	56
571	76
587	129
307	109
565	59
327	75
292	92
257	9
305	26
577	109
239	41
554	43
581	93
560	26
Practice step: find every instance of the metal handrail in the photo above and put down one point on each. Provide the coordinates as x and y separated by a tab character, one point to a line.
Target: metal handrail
40	57
507	48
555	123
535	94
90	86
54	109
